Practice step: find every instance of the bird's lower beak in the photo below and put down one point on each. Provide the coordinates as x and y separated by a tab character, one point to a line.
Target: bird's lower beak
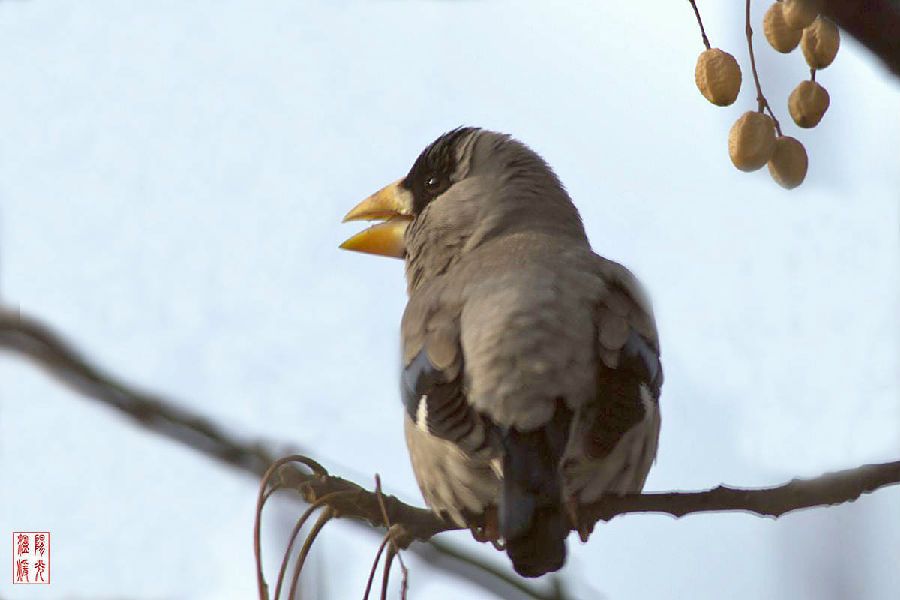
392	205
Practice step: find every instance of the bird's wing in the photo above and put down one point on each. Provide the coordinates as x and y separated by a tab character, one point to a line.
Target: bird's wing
613	440
450	444
433	371
502	356
626	327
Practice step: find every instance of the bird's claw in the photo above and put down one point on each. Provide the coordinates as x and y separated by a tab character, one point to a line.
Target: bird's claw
584	529
489	529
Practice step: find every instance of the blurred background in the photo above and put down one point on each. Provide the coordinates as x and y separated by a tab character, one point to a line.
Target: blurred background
172	180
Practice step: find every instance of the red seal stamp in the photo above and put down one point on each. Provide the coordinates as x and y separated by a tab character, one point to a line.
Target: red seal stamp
31	557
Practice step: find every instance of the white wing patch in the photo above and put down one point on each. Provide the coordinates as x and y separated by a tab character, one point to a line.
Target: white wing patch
422	413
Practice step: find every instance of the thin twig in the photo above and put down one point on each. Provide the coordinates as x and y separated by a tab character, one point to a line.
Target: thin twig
272	491
700	23
320	523
293	537
257	552
762	103
403	569
388	561
404	583
261	498
384	543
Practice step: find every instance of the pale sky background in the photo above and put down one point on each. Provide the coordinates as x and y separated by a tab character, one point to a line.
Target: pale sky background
172	178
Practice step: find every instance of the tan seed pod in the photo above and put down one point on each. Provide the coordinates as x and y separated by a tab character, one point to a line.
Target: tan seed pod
808	103
799	14
751	141
780	36
788	163
718	76
820	43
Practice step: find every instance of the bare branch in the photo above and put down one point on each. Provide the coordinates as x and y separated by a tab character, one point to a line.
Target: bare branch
827	490
830	489
28	338
31	339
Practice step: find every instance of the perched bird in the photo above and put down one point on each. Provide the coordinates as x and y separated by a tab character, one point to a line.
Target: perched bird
531	372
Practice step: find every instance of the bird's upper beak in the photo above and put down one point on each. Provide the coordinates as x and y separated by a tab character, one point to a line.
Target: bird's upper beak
392	205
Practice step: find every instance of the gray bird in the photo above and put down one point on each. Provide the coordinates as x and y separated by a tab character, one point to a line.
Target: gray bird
531	372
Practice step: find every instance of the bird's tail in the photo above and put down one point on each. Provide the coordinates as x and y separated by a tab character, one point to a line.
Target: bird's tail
532	520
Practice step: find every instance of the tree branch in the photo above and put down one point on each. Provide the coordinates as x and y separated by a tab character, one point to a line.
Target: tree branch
30	339
419	524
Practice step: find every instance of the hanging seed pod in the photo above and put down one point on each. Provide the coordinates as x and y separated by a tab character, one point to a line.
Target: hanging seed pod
780	36
808	103
799	14
751	141
820	43
718	76
788	163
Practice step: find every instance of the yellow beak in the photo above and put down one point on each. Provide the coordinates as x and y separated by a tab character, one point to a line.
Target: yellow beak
392	205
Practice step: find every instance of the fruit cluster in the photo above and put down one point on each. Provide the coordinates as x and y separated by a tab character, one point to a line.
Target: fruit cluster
756	138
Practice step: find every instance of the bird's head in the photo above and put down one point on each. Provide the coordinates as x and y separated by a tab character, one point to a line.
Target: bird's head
468	186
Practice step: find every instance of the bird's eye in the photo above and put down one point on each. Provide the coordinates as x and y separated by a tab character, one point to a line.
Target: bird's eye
432	183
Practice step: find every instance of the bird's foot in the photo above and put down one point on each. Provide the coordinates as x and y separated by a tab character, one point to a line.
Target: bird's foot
489	529
584	529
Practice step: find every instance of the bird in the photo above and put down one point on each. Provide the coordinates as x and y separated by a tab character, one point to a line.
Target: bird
531	371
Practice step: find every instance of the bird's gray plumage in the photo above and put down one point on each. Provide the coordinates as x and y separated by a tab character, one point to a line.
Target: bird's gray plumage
531	365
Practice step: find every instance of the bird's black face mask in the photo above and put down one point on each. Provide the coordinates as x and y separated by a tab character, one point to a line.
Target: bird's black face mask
432	173
398	203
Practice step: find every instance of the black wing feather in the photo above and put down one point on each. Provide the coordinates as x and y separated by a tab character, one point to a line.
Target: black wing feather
447	414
